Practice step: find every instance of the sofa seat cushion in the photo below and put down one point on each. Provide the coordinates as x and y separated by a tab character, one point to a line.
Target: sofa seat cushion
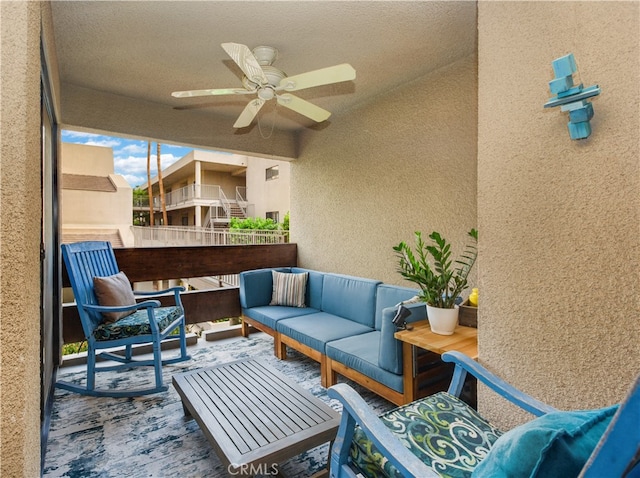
269	315
315	330
137	324
360	353
443	431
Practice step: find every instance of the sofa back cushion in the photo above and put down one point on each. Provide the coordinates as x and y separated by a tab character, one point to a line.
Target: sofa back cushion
352	298
390	296
256	287
313	297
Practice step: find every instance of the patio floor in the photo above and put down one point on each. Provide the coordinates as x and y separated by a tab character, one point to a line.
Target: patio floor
149	436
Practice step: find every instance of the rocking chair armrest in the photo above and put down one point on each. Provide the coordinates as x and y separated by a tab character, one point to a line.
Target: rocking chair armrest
122	308
464	364
356	411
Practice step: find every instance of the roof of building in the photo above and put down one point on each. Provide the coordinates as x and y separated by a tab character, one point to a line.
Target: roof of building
88	183
80	235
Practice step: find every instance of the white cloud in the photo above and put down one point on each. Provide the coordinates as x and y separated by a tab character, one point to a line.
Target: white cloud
168	159
134	148
134	168
90	139
107	142
135	180
68	134
132	165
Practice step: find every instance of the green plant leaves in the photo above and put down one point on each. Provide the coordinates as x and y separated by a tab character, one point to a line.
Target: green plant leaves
430	267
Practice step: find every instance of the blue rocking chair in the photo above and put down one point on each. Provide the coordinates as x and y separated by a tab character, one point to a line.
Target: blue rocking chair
441	436
143	322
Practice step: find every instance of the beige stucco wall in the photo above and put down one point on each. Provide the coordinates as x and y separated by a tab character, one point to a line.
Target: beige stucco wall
559	219
267	196
227	182
20	219
403	163
86	159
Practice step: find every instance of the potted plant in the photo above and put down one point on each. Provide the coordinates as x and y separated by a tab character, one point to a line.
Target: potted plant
440	278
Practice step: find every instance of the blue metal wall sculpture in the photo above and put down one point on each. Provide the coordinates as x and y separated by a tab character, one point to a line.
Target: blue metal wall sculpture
572	98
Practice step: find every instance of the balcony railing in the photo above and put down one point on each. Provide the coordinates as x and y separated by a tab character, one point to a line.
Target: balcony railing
203	236
141	203
169	263
191	193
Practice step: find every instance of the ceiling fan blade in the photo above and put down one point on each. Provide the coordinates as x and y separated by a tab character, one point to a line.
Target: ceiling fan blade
323	76
246	61
303	107
250	111
214	92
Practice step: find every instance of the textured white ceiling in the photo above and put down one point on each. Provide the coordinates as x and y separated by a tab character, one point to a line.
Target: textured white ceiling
145	50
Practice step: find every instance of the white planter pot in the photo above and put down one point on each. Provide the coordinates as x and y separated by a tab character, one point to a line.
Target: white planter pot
442	321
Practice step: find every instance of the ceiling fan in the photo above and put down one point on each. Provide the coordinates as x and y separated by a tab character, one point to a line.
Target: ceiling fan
268	82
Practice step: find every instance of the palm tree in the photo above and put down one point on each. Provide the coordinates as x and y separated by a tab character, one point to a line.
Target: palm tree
149	183
163	205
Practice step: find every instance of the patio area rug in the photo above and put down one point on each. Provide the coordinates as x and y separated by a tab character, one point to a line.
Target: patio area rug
149	436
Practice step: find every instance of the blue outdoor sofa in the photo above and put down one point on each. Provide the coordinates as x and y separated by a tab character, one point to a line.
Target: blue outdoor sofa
343	322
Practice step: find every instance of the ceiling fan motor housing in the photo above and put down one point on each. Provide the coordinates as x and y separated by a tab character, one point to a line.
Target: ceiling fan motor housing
265	55
274	77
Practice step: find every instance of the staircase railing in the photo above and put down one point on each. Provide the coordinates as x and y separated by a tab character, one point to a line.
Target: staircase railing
242	202
207	219
213	213
225	203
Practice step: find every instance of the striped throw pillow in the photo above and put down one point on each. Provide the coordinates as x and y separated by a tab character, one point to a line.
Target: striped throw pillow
289	289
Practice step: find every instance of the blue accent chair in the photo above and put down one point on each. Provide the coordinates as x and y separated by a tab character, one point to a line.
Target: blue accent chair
148	323
441	436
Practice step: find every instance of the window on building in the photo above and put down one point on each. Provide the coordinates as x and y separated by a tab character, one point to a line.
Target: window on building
185	220
272	173
274	215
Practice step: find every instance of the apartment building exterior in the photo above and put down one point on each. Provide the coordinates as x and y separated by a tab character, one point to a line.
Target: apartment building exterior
207	189
96	203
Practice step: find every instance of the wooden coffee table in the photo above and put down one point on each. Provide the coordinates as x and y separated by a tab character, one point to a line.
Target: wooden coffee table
253	416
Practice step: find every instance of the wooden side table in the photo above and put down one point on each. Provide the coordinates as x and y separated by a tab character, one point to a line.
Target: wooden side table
463	339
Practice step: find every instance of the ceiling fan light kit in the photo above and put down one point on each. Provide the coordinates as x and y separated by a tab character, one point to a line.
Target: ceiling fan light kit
266	81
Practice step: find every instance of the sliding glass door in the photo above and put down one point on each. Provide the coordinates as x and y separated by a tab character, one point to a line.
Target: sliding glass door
50	264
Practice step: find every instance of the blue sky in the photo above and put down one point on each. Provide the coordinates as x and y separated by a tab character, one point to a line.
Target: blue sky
130	155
